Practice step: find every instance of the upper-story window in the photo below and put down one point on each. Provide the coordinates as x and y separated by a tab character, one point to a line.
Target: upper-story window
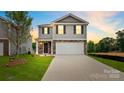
45	30
60	29
78	29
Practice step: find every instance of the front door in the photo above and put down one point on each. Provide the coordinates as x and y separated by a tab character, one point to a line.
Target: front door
45	47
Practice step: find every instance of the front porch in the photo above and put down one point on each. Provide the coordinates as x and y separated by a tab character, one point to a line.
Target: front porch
44	47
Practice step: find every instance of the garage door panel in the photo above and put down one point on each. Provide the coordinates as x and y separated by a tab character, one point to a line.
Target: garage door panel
69	48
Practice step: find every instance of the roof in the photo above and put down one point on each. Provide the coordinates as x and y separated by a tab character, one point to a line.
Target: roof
47	25
72	15
7	21
3	19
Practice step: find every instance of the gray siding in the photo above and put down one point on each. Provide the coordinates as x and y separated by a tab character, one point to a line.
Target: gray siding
69	22
69	19
69	34
3	29
24	47
44	36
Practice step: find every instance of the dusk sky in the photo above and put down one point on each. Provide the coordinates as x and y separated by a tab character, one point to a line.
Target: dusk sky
101	24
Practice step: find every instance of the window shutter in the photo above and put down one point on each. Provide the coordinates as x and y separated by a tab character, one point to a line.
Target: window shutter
74	29
48	30
82	29
64	29
42	30
56	29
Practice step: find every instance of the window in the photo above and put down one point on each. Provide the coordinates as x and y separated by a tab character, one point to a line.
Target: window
78	29
45	30
61	29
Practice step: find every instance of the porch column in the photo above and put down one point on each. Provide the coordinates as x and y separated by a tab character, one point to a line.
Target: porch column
54	47
37	47
51	47
85	42
85	47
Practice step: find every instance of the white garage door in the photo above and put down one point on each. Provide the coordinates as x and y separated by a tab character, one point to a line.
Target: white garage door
69	48
1	49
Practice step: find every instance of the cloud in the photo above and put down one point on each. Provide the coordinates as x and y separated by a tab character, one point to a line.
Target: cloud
100	20
93	36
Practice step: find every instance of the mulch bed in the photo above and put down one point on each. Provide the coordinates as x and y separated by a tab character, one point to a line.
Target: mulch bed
16	62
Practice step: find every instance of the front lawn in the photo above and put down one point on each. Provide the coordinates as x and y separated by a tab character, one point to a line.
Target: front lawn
34	68
115	64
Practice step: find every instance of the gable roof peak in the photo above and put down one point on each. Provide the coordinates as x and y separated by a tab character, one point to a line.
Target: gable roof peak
72	15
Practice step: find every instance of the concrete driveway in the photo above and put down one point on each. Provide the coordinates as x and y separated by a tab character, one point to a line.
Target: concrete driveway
79	68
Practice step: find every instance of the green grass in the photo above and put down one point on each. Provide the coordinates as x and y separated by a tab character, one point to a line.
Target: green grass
33	70
112	63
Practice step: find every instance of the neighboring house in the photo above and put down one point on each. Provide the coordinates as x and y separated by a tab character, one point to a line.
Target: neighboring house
6	46
66	35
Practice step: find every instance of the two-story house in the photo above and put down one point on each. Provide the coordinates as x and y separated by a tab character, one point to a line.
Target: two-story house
6	45
66	35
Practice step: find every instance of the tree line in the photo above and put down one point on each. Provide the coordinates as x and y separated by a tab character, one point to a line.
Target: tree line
108	44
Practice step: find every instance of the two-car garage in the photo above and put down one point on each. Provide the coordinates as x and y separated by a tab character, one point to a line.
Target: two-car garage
69	47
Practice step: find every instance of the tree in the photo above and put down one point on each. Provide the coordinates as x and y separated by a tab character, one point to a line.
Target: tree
97	48
107	44
21	22
120	40
91	47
